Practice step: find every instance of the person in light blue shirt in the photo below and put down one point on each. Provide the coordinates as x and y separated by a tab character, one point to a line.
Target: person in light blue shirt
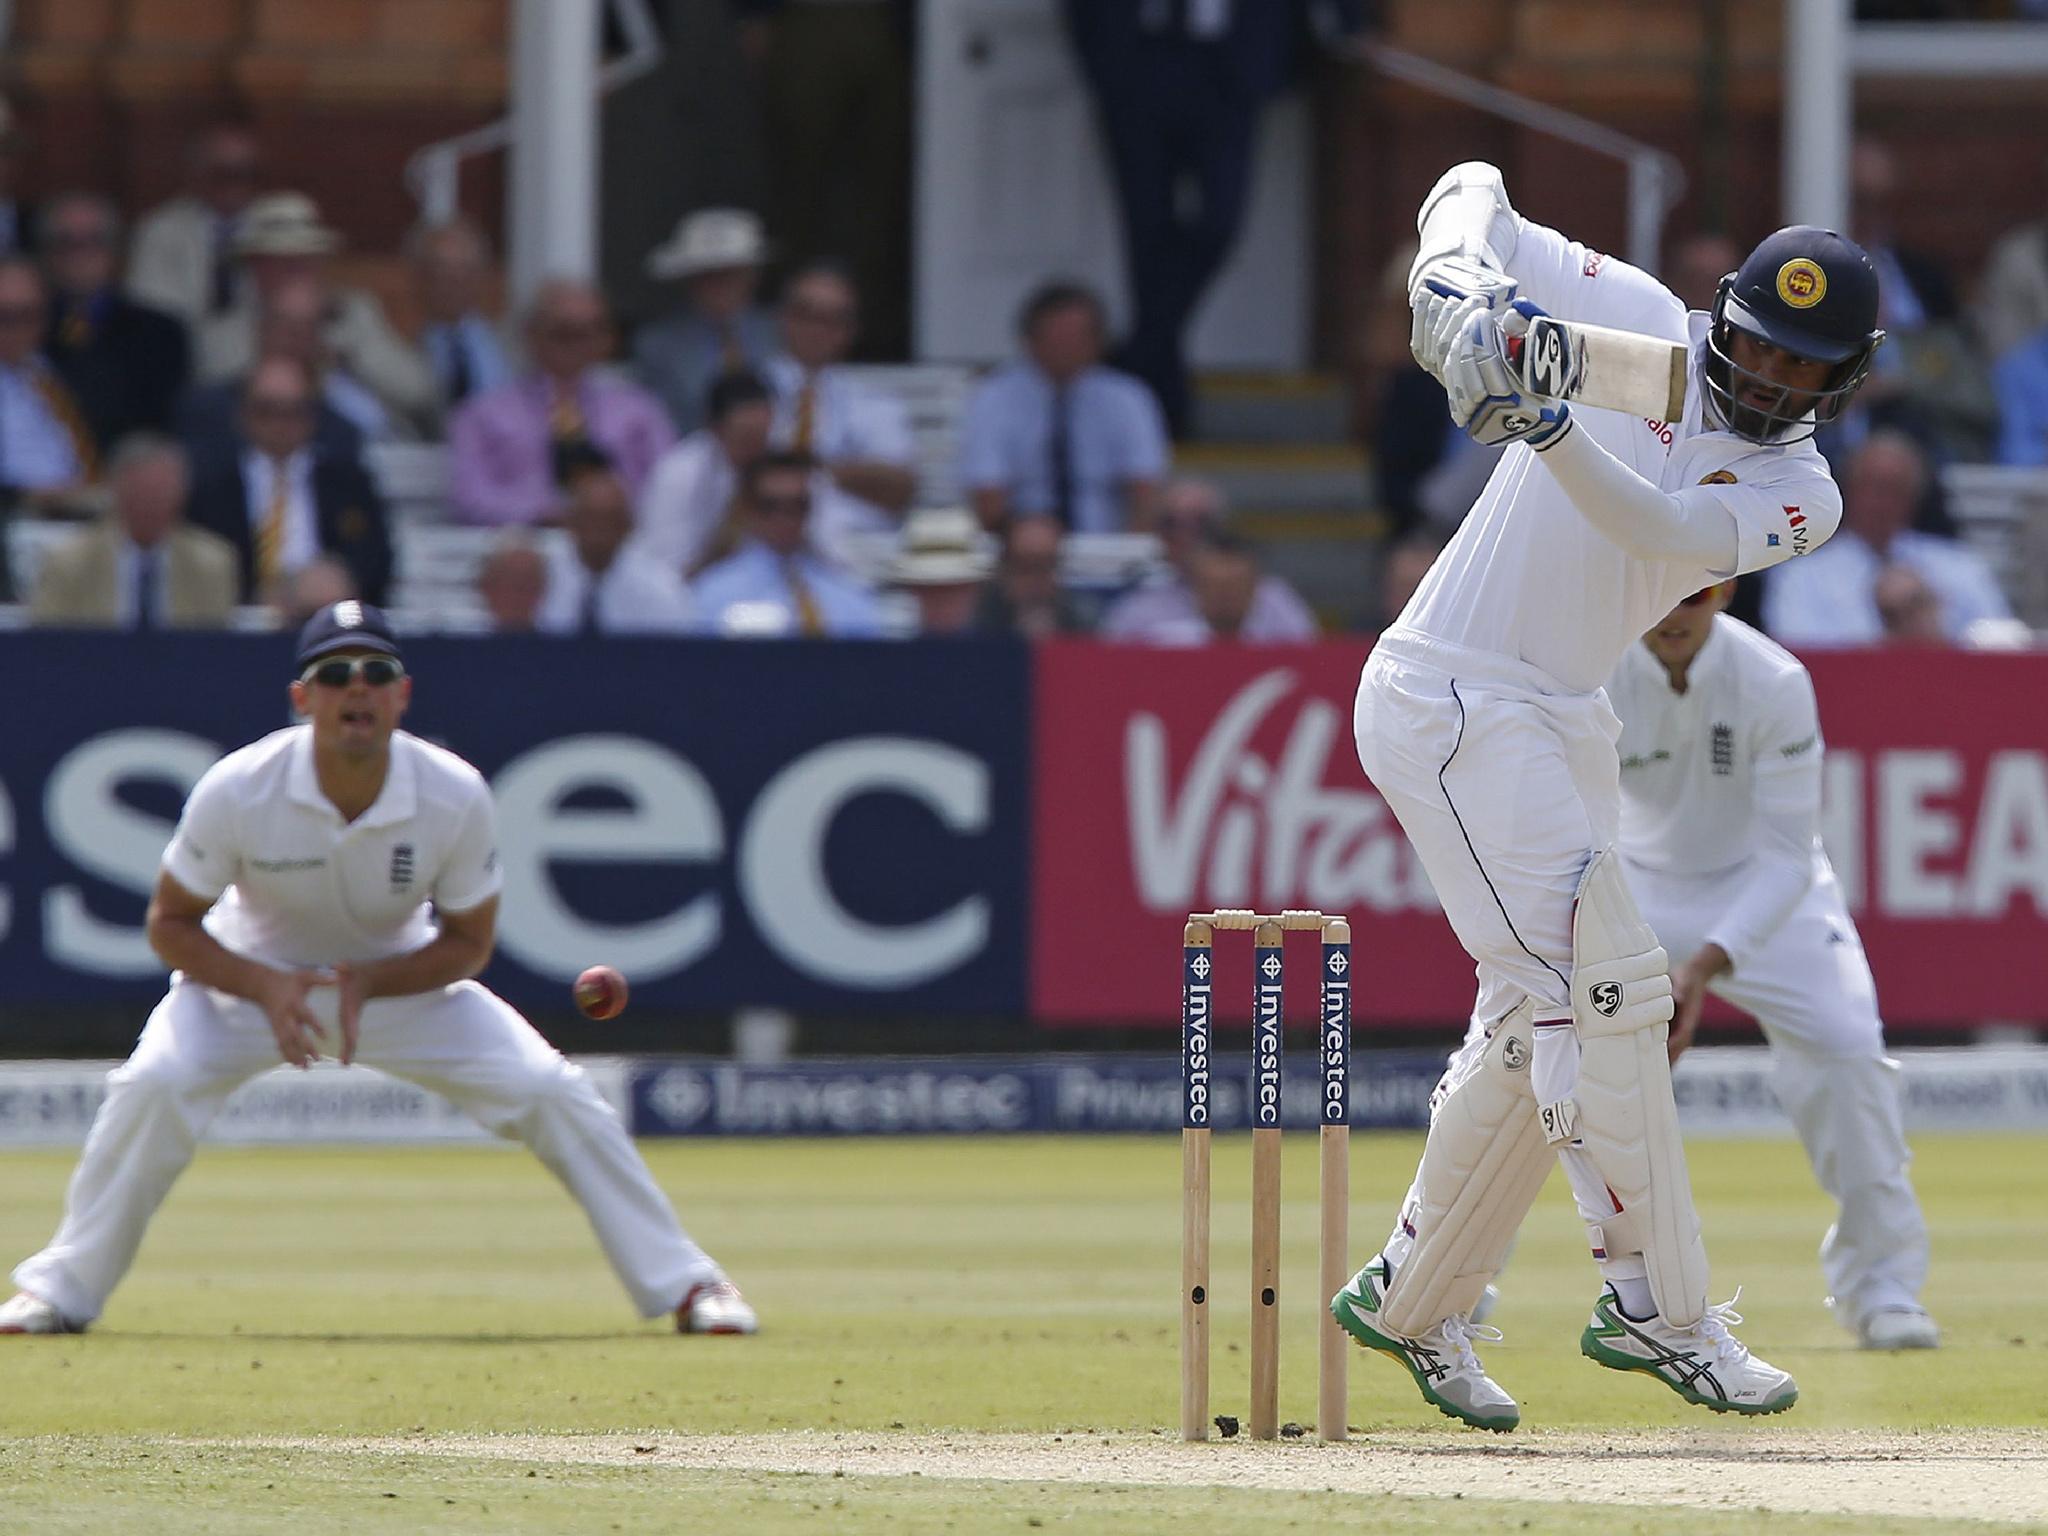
40	449
451	268
1056	434
775	584
2022	382
1830	597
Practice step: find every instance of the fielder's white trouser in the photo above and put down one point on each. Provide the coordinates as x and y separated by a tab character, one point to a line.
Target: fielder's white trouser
1506	792
463	1042
1810	990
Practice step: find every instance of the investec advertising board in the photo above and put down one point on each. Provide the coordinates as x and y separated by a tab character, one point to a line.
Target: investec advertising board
964	827
836	826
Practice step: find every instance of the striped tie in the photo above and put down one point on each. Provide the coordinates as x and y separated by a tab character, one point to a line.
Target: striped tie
270	532
58	402
809	619
565	419
806	417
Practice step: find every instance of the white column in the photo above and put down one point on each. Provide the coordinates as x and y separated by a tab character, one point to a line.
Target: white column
551	203
1819	93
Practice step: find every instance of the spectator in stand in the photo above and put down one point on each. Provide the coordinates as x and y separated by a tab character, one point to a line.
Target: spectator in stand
684	512
184	261
141	567
1403	564
774	584
19	225
2012	303
1829	597
1179	90
283	244
512	582
940	562
1026	597
320	583
509	447
722	327
209	417
834	80
598	583
1914	289
859	435
1696	266
2022	380
280	501
124	363
47	453
1169	610
451	274
1226	579
1908	608
1057	434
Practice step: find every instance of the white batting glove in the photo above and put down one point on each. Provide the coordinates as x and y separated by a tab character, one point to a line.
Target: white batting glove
1487	399
1461	277
1447	293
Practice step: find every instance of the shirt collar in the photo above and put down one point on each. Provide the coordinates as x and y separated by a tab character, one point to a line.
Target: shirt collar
395	802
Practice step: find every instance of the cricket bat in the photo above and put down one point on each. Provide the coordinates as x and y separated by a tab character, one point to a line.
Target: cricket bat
1597	366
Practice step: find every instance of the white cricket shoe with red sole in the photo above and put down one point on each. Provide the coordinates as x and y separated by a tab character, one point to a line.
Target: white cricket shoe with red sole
715	1306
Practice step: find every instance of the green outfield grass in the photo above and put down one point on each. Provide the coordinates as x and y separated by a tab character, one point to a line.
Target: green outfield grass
998	1285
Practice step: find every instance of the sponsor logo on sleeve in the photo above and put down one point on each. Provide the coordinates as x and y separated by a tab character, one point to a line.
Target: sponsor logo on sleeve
1798	747
1594	260
1802	540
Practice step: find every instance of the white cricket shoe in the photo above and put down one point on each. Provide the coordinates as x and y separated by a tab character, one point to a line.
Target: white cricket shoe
24	1313
1899	1328
1442	1360
1704	1364
715	1306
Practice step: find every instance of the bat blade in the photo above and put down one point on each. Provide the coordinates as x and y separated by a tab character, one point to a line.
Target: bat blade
1595	365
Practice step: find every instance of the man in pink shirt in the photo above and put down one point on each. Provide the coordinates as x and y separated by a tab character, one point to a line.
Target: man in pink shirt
507	445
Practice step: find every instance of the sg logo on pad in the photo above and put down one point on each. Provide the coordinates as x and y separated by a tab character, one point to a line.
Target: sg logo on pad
1606	998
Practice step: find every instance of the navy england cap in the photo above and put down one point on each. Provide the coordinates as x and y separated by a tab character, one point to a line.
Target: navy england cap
349	626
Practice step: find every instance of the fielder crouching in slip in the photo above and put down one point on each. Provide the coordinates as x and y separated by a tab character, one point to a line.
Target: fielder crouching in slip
1482	721
336	884
1720	835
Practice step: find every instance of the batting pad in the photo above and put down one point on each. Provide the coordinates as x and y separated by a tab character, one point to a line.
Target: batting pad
1482	1169
1622	1112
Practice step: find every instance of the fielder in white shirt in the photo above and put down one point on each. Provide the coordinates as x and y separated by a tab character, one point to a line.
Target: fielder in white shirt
334	886
1720	836
1482	721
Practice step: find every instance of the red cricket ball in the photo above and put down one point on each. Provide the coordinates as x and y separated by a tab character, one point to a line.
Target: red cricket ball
601	992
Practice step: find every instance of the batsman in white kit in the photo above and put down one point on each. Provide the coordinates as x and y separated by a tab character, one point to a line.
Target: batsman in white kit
336	883
1720	835
1483	722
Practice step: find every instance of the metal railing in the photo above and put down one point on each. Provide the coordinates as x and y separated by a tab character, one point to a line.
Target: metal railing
1655	178
434	173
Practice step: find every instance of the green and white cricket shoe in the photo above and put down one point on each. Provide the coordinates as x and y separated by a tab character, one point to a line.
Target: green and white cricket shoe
1704	1364
1441	1360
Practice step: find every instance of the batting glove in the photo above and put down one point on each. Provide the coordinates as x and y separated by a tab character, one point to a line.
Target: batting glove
1446	294
1487	397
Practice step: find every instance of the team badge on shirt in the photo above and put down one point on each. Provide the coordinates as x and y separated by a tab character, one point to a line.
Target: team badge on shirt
401	866
1724	749
1718	477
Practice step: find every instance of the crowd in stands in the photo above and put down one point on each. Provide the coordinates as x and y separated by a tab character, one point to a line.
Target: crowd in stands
195	414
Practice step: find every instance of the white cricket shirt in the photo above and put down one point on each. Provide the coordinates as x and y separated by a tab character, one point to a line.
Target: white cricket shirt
1527	577
298	886
1724	778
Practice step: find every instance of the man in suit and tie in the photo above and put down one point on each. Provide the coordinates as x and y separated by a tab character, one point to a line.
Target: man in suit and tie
280	501
143	567
46	448
1179	86
451	273
124	363
184	260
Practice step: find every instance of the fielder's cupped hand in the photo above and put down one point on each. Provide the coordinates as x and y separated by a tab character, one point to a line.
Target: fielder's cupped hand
291	1017
351	989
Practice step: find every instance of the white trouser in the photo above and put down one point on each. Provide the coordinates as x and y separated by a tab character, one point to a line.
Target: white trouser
1810	990
463	1042
1505	792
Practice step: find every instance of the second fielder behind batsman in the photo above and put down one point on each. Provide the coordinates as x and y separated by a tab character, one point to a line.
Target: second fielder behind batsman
1482	721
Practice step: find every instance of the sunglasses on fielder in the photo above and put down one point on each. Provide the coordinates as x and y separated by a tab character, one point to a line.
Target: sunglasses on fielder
377	671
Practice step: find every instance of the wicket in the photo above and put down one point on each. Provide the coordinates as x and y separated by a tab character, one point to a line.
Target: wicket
1269	994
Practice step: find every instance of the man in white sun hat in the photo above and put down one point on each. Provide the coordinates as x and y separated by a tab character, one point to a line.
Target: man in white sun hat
942	561
333	887
717	255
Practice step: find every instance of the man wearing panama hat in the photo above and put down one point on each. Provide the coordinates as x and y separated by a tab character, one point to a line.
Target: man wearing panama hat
717	255
283	242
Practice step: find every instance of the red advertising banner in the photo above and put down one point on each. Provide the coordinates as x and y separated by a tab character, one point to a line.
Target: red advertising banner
1168	781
